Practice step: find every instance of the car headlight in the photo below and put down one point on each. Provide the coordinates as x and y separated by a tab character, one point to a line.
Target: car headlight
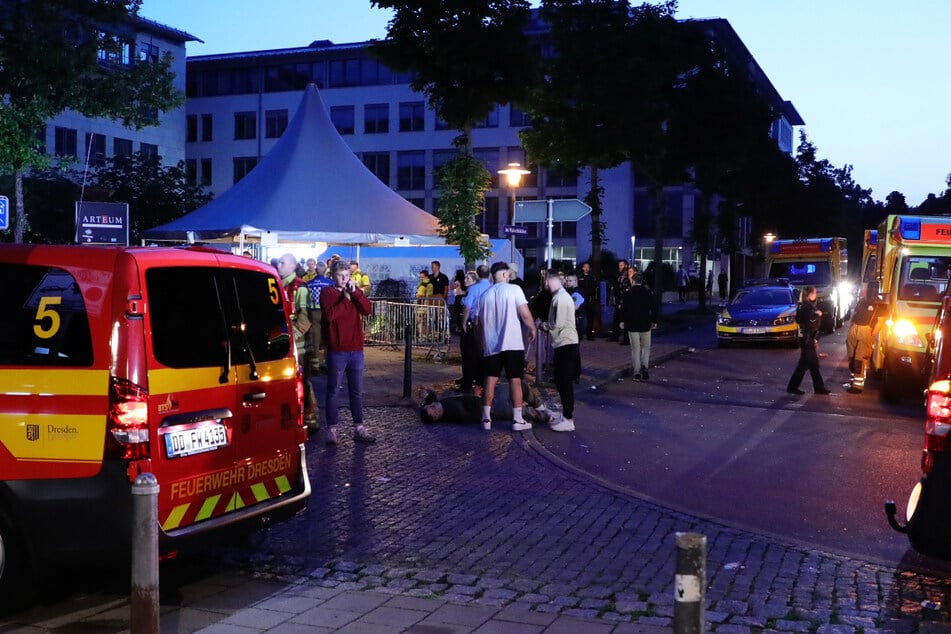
784	320
724	319
906	334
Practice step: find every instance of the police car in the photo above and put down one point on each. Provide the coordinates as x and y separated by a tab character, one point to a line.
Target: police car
763	310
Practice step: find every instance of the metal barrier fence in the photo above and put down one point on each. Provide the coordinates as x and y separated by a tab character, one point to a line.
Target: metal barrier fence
386	324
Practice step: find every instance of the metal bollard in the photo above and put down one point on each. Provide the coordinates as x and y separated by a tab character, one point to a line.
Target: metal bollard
408	361
690	581
144	602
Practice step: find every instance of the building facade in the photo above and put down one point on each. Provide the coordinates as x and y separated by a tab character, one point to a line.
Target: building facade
87	142
239	104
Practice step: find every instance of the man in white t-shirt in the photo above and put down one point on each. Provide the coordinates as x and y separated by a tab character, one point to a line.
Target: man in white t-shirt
502	311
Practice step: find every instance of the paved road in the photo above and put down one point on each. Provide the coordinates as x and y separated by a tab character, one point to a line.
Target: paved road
453	516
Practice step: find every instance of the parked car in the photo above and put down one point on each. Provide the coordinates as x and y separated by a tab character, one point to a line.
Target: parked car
762	310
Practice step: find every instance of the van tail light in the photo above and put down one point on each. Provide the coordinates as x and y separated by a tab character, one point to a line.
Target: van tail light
127	427
299	384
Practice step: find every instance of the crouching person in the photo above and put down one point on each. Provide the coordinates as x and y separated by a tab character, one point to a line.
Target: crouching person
862	331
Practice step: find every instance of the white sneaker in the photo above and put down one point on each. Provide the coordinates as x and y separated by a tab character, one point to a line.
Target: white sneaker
486	424
523	426
564	424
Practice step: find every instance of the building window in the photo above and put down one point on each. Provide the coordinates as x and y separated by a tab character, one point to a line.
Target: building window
561	177
148	52
148	150
342	117
245	126
121	147
95	149
491	120
206	127
344	72
411	116
191	128
191	171
65	143
379	164
115	51
206	172
488	220
288	77
376	118
411	170
243	165
518	119
374	73
275	122
490	157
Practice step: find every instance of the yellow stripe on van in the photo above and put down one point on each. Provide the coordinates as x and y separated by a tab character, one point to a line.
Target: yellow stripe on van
259	491
235	503
175	517
55	382
283	485
77	438
165	380
207	508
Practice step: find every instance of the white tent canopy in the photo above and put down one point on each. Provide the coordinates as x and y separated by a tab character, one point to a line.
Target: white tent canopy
309	188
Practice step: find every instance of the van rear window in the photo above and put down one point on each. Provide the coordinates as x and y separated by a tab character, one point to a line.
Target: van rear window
44	319
200	315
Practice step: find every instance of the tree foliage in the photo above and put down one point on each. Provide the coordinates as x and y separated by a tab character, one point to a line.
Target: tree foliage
462	183
156	193
60	54
466	56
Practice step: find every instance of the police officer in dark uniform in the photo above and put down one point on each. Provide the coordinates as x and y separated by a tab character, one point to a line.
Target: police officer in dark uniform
808	316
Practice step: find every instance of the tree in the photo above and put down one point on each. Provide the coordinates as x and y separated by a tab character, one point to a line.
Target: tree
60	54
463	181
156	193
579	107
466	56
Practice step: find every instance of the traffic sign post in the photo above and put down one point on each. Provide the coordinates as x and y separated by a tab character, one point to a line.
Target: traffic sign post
551	211
4	213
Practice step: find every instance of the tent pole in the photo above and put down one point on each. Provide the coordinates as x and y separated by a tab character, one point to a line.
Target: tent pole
241	243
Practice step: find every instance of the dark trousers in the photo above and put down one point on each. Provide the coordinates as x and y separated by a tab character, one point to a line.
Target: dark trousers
471	352
589	307
808	360
564	370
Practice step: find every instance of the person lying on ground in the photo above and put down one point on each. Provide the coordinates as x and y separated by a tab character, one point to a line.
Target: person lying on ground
467	408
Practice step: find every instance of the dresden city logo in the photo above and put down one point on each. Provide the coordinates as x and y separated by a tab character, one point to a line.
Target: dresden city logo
32	432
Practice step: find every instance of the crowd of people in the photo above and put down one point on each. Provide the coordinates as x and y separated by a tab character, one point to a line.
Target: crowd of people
502	331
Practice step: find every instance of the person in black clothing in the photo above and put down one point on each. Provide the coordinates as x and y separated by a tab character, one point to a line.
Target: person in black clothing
808	316
588	287
721	284
621	284
639	319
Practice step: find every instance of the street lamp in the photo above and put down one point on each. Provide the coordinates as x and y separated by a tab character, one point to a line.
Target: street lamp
513	176
767	241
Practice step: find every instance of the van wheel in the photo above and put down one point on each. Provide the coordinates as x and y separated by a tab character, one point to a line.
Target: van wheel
17	572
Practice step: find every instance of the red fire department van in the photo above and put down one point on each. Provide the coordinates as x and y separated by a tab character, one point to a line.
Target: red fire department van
120	361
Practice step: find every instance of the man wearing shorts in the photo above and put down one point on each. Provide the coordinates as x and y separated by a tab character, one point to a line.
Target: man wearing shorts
502	311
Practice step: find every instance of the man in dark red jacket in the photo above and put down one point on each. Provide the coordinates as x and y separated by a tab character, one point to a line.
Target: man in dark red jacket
343	306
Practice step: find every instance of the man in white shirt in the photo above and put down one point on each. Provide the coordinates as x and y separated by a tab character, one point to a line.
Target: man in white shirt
503	310
564	339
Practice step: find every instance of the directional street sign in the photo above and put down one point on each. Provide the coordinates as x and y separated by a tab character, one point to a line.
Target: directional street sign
567	210
514	230
4	213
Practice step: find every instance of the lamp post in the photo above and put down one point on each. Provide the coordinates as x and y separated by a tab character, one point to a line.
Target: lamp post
767	242
513	176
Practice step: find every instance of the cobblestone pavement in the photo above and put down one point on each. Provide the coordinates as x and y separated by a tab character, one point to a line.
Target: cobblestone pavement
453	513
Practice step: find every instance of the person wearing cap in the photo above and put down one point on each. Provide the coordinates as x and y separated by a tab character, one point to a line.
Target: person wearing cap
638	319
503	310
343	306
561	326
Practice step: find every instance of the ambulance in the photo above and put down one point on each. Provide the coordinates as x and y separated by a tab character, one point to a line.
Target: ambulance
115	362
914	260
819	262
